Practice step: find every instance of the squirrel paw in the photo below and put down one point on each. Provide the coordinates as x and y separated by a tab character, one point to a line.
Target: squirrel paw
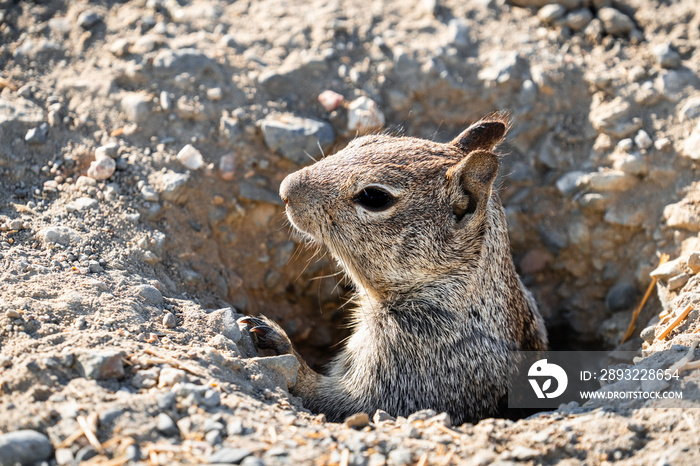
267	335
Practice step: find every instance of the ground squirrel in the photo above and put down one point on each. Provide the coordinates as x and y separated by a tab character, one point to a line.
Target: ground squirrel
419	229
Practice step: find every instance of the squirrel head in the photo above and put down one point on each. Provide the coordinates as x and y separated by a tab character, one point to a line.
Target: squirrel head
399	212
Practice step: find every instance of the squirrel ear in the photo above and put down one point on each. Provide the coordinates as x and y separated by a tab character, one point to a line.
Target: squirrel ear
474	175
482	135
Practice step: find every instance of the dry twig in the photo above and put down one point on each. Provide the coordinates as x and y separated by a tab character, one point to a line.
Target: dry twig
638	310
675	322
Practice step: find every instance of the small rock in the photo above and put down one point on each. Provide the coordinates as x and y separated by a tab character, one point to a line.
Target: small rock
668	269
568	183
458	33
64	456
100	365
666	56
169	320
149	293
13	314
634	164
648	334
190	158
691	146
401	456
643	140
228	455
110	149
295	138
223	321
213	437
227	167
20	110
357	421
231	128
522	453
548	14
95	267
214	94
421	415
166	425
364	115
15	224
382	416
690	109
136	106
578	19
37	136
82	204
684	214
694	261
174	186
102	168
615	22
149	194
330	100
58	235
622	296
613	180
285	366
24	447
88	18
678	281
86	453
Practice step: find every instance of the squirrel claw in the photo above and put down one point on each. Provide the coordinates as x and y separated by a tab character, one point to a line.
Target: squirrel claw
267	335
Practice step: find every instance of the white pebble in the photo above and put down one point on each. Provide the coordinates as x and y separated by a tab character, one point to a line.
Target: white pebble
190	157
643	140
102	168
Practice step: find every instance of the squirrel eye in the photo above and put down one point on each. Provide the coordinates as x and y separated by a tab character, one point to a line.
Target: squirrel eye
374	199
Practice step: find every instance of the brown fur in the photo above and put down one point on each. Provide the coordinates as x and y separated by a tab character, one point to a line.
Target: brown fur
439	303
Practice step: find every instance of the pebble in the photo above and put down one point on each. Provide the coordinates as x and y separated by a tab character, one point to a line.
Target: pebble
149	194
227	455
100	364
166	425
149	293
215	94
295	138
613	180
168	62
678	281
568	183
82	204
231	128
136	106
694	261
357	421
227	167
690	109
102	168
86	453
648	334
64	456
614	118
401	457
578	19
458	33
382	416
223	321
58	235
15	224
548	14
21	110
174	186
37	135
88	18
691	146
190	157
666	56
643	140
108	150
24	447
615	22
330	100
364	115
634	163
682	215
622	296
169	320
285	367
668	269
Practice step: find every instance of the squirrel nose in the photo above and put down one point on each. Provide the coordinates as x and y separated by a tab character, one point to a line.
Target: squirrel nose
289	189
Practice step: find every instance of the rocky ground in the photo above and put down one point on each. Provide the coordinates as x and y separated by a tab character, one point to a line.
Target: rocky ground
143	143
